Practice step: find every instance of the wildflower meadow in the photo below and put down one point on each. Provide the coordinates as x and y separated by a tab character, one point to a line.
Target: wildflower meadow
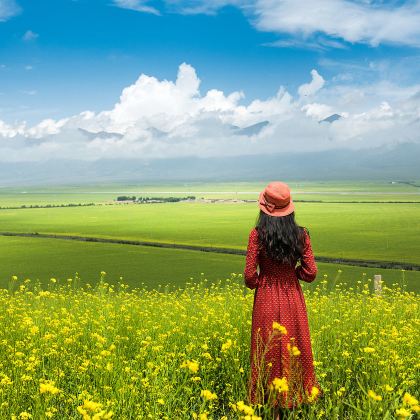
108	351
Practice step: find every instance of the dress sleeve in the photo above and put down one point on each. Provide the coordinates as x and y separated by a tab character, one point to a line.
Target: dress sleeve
251	274
307	269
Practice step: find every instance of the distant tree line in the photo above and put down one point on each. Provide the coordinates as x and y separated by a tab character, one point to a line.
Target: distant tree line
154	199
46	206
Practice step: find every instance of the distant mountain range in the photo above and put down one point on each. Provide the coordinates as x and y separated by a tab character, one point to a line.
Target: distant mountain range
397	163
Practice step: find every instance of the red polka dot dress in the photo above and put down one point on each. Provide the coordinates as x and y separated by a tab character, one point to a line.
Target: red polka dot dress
282	371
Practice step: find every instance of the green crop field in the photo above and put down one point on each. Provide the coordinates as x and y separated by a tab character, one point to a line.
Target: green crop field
377	231
370	231
46	258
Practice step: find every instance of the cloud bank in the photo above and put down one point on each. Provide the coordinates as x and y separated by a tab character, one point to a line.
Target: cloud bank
164	119
355	21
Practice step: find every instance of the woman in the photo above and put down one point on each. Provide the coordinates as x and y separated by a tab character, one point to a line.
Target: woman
282	372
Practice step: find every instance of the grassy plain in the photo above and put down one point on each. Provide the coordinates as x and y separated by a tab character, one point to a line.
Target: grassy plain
45	258
380	231
387	232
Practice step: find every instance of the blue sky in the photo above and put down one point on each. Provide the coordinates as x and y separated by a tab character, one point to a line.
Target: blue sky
84	52
59	58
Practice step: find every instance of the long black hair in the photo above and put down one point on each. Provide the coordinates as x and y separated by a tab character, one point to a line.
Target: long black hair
281	237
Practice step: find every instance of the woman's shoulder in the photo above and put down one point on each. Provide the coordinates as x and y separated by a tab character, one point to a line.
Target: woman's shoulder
306	237
253	234
253	231
305	231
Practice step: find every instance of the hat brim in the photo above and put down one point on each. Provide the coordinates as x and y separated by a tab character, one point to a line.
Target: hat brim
285	211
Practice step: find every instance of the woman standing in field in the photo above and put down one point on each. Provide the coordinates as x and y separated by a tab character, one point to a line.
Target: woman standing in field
282	372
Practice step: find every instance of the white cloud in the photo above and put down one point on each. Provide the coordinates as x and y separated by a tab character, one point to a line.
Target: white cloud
365	22
137	5
309	89
317	24
8	9
164	118
29	36
317	111
317	44
203	6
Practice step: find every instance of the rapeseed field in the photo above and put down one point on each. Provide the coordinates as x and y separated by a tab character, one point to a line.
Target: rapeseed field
107	351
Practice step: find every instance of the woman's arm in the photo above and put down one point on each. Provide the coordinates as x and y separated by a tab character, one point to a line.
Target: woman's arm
307	269
250	273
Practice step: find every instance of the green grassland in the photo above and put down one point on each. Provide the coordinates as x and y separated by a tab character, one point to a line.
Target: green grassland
377	231
45	258
387	232
326	191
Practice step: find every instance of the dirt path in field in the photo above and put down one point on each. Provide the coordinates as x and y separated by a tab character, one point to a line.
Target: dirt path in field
232	251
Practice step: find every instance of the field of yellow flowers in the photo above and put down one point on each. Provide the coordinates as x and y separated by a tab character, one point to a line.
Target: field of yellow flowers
105	351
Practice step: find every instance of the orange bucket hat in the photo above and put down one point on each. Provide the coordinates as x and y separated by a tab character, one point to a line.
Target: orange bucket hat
275	200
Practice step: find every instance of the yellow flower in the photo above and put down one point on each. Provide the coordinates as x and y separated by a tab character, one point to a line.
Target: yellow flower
279	327
388	388
91	405
246	409
279	385
341	391
314	393
24	415
48	388
191	365
161	401
409	399
6	380
374	396
226	346
50	412
368	349
208	395
402	413
293	350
